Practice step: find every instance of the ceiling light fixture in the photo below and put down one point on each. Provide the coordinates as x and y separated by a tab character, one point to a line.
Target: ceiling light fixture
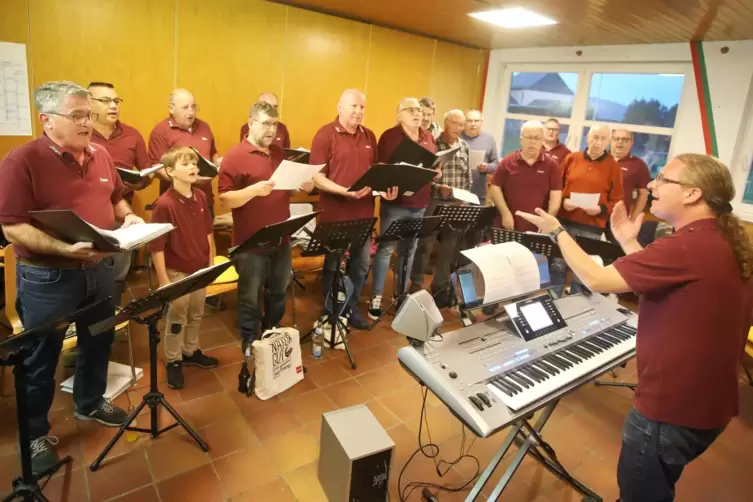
513	17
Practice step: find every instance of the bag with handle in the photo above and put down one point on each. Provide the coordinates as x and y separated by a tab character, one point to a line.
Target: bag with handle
277	362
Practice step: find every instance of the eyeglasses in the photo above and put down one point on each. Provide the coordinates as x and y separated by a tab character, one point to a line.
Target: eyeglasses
531	138
621	140
411	109
660	178
107	101
552	129
185	108
78	118
267	125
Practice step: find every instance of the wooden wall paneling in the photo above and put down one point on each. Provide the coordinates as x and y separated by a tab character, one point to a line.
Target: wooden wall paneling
399	67
14	27
456	78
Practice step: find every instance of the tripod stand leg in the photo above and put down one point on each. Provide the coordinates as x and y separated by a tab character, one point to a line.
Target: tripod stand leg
95	465
184	424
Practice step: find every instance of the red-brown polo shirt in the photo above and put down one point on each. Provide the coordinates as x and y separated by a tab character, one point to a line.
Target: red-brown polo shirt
525	186
692	326
126	148
187	247
558	153
635	176
244	165
167	135
582	174
40	176
388	142
347	157
282	138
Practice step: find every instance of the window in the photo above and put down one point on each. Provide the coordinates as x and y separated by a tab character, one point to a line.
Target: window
637	98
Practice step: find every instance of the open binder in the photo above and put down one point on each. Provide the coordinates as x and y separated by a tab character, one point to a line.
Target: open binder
408	179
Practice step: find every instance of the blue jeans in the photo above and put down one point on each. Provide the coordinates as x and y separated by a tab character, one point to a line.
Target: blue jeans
357	270
47	294
558	266
653	456
254	271
405	249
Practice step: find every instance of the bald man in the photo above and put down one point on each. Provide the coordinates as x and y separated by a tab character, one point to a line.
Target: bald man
348	150
183	128
282	137
456	173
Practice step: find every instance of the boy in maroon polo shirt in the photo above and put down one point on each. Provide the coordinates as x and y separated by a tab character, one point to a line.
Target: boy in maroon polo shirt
693	319
180	253
245	187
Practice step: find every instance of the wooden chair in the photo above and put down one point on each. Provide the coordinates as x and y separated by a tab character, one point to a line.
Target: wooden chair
749	354
225	283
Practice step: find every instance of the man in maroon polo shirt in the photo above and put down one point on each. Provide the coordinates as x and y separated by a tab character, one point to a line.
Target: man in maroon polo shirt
413	206
127	150
183	128
525	180
244	186
63	170
635	175
282	137
552	144
693	319
348	149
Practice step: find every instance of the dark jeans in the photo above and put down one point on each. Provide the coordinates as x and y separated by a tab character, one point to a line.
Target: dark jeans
270	269
357	270
448	243
653	456
46	294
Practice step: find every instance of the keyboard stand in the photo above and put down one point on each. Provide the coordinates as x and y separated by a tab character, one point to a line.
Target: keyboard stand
528	439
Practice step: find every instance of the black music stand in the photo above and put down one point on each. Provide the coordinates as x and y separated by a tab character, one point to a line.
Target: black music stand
13	351
461	219
155	305
337	238
402	230
537	243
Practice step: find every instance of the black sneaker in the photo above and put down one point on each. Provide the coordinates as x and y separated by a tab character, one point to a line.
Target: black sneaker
375	308
175	375
200	360
105	413
43	456
356	321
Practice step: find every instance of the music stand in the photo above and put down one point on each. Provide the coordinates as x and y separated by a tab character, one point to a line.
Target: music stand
13	351
155	305
337	238
537	243
401	230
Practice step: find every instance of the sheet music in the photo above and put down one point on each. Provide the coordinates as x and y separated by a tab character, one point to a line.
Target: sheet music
509	270
144	173
134	234
15	107
465	196
291	175
585	200
476	158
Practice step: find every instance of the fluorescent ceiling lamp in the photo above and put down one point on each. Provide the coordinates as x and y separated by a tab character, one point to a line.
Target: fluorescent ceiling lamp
513	17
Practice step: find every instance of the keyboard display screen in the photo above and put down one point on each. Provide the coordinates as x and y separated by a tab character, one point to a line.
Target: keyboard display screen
536	316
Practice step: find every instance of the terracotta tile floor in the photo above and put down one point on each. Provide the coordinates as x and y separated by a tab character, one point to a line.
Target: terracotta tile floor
268	450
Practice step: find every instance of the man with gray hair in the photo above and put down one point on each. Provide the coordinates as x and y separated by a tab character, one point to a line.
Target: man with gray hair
483	142
456	173
282	138
428	110
62	169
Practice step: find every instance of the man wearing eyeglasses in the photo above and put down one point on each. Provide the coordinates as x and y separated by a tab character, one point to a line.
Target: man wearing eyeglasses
127	150
635	175
245	187
428	110
413	206
484	142
525	180
552	144
62	169
183	128
282	138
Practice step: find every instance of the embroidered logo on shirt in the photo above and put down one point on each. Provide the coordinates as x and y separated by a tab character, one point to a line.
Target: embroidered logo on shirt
54	149
104	180
205	139
540	172
624	168
368	146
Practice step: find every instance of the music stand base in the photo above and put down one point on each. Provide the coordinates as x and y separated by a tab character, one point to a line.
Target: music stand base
631	386
26	491
154	398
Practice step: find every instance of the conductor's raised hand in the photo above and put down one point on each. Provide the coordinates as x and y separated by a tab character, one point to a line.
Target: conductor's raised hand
624	229
263	188
360	194
390	194
545	222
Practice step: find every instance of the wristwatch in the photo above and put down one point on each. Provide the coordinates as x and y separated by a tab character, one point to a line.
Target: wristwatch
555	233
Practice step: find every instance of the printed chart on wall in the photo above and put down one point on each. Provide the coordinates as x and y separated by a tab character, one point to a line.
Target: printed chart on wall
15	111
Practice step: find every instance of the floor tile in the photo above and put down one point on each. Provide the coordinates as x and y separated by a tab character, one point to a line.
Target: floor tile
68	486
304	483
228	436
146	494
309	407
119	475
174	454
197	484
292	450
273	420
347	393
327	373
245	470
277	491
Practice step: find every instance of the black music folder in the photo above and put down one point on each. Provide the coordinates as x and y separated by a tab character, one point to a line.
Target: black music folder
410	152
407	178
273	234
135	177
66	226
300	155
206	168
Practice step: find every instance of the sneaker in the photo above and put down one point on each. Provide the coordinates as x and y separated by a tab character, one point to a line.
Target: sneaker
375	308
105	413
43	456
175	375
356	321
200	360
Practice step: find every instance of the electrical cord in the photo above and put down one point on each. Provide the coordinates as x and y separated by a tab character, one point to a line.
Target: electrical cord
431	450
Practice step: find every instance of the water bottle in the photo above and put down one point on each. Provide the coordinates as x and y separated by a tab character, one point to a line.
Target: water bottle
317	341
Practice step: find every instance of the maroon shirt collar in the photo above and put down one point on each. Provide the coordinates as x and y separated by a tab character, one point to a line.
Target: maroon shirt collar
66	155
339	128
519	158
117	131
173	125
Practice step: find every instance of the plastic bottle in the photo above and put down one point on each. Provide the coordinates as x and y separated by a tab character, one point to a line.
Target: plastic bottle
317	341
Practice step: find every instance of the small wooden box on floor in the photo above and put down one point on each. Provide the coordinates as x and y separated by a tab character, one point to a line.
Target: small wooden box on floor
355	457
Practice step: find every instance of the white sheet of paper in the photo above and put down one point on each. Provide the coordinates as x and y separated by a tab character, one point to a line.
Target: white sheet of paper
509	270
15	105
585	200
291	175
476	158
465	196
